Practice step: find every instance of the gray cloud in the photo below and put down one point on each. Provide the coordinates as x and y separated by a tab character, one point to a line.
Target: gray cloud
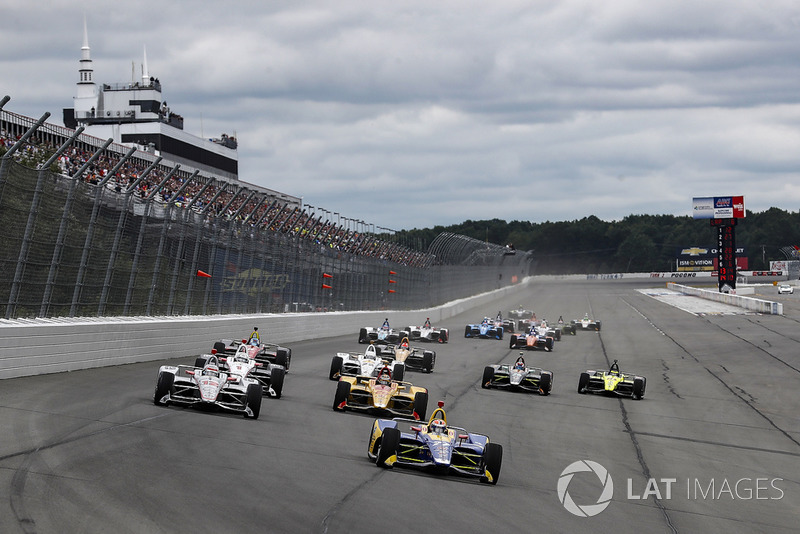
415	114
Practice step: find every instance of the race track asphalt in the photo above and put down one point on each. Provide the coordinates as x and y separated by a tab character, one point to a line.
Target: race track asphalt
714	446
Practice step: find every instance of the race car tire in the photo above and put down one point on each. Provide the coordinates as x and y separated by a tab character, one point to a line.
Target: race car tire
200	361
390	441
467	331
598	326
254	400
488	374
549	344
282	357
421	404
444	336
545	384
398	372
492	461
572	330
276	381
427	361
558	335
638	388
342	392
219	346
362	336
500	334
163	387
512	342
336	367
583	381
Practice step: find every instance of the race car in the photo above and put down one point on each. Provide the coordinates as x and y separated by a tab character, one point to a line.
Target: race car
521	313
485	330
207	387
434	446
566	328
509	325
785	288
537	337
381	395
367	363
261	352
413	359
518	377
612	382
426	332
383	335
245	362
586	323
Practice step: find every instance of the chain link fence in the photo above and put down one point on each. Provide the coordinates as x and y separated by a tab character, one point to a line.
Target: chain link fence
72	248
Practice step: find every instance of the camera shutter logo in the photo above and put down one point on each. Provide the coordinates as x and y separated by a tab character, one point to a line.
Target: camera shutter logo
587	510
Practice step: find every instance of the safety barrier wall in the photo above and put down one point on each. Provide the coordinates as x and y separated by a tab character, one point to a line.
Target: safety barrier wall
748	303
44	346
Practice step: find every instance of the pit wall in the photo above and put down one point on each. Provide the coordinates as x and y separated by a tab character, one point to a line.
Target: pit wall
44	346
748	303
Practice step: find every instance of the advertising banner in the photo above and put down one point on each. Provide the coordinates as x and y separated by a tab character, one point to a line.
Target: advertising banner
718	207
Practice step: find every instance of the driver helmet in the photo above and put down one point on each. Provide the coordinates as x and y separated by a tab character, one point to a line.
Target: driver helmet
614	370
520	364
385	325
210	371
437	426
385	376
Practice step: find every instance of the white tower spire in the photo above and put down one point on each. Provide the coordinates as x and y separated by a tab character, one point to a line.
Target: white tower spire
86	94
145	73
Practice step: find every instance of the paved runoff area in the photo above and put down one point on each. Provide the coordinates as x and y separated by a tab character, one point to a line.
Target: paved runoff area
692	304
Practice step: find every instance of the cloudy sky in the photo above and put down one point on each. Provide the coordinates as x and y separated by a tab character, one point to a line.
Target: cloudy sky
419	113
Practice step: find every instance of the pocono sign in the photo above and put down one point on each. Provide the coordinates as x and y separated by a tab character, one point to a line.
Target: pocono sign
718	207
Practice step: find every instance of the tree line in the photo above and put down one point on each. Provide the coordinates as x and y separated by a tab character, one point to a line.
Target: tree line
637	243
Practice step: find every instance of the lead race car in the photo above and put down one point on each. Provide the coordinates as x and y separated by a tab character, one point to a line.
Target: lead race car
413	358
244	362
612	382
518	377
381	394
485	330
426	332
366	363
434	446
207	387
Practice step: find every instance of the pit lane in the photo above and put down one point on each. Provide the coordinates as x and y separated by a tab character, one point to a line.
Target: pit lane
87	451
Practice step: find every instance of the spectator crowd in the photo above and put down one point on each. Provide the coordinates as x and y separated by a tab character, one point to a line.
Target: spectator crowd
213	198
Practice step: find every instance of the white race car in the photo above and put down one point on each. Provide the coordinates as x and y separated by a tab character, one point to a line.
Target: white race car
785	288
384	335
246	362
426	332
207	387
367	363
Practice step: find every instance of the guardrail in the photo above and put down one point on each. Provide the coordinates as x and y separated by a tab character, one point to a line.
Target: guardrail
748	303
42	346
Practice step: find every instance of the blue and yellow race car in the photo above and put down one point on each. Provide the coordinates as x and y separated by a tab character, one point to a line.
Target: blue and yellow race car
434	446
